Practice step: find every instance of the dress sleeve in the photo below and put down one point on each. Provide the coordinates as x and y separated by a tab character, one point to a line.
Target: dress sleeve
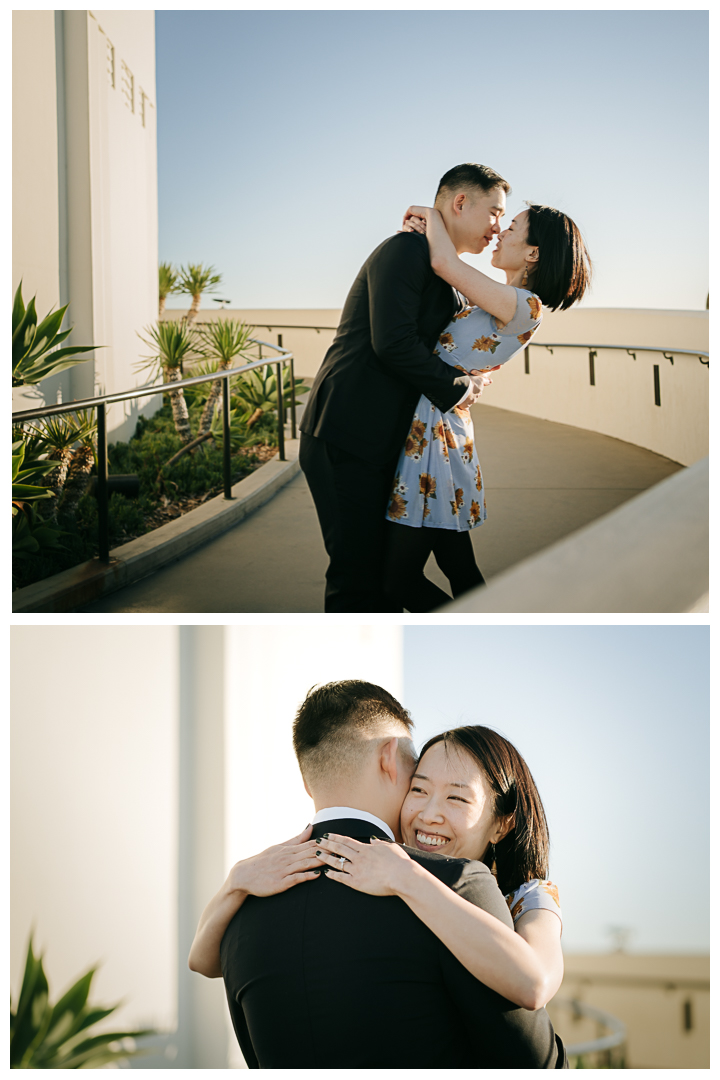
533	896
527	317
475	339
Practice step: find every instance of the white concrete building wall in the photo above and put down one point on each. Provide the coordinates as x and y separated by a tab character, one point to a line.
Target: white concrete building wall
35	255
94	818
95	71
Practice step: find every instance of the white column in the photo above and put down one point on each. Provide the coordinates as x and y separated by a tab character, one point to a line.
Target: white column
202	1031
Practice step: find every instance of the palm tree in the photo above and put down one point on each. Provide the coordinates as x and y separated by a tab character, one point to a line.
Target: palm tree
194	280
168	283
170	343
221	341
56	436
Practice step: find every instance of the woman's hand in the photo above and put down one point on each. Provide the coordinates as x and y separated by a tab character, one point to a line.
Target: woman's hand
414	224
420	213
272	871
484	371
278	868
417	217
379	868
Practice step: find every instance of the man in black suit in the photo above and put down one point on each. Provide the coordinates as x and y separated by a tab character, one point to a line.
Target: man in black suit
361	405
322	976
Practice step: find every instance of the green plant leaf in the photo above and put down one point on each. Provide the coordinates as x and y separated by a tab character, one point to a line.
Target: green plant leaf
44	1037
30	491
18	311
73	1000
28	1016
90	1050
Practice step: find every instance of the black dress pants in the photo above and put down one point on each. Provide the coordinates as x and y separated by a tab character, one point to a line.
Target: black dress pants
408	549
350	496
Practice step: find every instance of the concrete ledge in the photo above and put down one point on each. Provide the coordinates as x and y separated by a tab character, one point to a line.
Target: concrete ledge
649	555
135	560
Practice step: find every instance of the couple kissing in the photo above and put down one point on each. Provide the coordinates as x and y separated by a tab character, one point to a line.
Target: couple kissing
387	443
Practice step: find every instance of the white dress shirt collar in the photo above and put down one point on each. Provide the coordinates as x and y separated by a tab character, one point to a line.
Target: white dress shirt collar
334	812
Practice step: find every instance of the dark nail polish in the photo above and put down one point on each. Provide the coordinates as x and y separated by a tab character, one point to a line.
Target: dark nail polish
326	836
318	852
318	871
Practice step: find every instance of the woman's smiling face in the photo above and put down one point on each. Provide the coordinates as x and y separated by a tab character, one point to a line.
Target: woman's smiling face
449	807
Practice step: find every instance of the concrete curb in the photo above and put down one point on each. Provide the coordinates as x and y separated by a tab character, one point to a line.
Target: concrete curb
135	560
649	555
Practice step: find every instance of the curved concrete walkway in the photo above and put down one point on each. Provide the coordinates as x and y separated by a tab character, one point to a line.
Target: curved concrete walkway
543	481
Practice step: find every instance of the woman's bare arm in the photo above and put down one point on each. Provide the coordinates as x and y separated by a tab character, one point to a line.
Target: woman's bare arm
272	871
483	291
205	950
524	966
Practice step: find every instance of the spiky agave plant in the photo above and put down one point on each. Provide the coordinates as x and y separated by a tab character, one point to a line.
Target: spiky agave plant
222	341
255	392
26	473
45	1036
195	279
170	343
34	346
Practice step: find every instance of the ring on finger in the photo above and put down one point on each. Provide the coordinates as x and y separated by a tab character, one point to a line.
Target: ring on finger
343	860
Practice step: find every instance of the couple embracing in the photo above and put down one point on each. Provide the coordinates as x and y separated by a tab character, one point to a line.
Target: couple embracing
387	442
345	949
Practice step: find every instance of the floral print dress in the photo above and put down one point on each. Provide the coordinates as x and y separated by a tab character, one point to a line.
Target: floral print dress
438	481
534	895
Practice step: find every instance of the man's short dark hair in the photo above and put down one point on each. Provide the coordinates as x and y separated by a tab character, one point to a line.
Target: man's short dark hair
332	725
468	177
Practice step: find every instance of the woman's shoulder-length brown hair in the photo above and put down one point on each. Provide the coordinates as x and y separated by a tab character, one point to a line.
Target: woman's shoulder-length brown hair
523	853
564	269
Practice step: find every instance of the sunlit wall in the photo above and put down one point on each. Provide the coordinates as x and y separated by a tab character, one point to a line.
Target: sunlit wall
94	811
269	670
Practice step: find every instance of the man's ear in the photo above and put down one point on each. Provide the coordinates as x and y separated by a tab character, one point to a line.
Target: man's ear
388	759
307	788
458	202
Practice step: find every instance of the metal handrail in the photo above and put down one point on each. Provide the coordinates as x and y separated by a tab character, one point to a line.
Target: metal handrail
101	403
618	1030
632	350
636	982
273	326
667	352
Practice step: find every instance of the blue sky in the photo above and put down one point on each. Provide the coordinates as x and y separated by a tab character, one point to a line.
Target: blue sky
291	142
613	722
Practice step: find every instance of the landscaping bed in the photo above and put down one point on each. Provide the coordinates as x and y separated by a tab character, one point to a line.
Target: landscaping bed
165	492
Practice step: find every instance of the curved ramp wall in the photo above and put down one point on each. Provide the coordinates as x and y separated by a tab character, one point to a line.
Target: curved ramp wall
556	386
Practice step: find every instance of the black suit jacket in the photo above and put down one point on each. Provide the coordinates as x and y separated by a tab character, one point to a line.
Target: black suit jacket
322	976
382	359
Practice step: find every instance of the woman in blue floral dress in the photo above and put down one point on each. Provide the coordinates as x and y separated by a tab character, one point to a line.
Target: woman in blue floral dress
438	493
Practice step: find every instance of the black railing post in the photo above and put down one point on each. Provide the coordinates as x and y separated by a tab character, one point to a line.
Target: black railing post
293	407
102	485
227	478
656	380
280	345
280	410
527	360
593	354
